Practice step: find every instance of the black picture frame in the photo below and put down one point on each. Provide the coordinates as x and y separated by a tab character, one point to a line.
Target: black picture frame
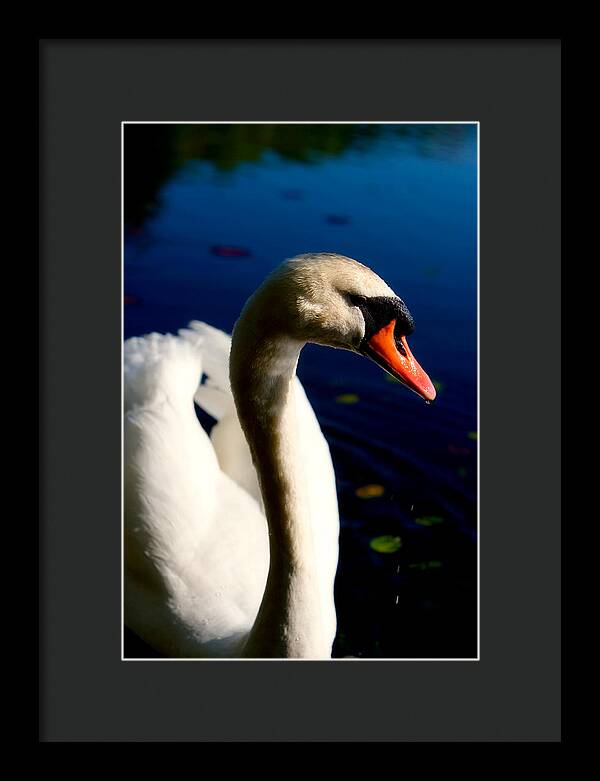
87	88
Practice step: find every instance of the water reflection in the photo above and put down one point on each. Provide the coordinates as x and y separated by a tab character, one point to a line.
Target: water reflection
155	152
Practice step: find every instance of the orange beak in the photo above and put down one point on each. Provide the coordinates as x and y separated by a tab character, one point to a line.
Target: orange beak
395	357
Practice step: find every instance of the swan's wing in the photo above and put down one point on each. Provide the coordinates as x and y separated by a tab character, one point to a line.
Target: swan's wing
214	397
170	466
158	366
214	394
196	546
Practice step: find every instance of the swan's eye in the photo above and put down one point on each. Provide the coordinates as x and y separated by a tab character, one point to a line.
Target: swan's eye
356	300
378	311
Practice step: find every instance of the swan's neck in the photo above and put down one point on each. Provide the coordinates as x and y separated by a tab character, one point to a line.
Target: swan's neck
263	370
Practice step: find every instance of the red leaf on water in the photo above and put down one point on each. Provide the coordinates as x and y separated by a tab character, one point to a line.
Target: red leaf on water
459	451
227	251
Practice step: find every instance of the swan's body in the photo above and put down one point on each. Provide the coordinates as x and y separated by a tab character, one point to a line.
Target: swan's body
196	565
216	566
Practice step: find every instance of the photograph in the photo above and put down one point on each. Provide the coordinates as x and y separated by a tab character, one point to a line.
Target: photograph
300	391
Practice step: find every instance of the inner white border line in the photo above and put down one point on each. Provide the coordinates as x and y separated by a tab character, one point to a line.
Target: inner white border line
300	122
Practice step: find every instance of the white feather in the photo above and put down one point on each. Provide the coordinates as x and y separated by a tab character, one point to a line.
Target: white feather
196	552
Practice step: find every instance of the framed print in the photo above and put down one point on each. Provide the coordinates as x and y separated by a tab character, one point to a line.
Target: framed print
292	408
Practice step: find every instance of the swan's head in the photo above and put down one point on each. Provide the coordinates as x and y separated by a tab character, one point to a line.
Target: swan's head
336	301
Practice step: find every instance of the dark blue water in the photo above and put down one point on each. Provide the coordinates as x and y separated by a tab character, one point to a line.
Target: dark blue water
210	210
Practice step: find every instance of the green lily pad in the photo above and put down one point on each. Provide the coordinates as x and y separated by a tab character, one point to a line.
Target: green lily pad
347	398
429	520
386	544
423	565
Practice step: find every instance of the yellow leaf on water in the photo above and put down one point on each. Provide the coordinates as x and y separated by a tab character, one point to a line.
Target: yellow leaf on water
347	398
370	491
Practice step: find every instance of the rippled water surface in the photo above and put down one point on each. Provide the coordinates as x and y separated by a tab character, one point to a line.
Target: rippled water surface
210	210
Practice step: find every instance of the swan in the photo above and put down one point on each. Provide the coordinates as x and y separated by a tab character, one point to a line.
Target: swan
231	540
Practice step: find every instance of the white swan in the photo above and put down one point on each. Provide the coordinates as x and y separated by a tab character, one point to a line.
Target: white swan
215	566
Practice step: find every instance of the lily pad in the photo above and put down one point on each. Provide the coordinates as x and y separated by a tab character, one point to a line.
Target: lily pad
370	491
347	398
386	544
423	565
429	520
